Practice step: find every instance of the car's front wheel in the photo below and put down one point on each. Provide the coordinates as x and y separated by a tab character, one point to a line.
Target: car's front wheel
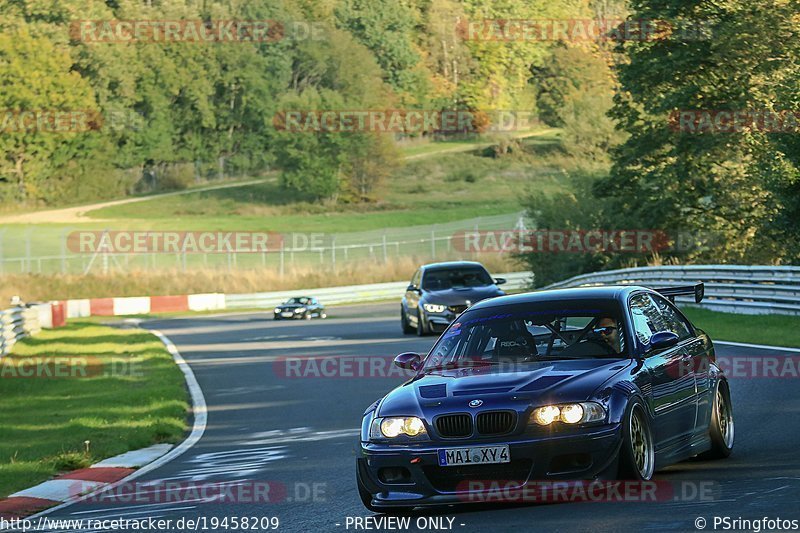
421	331
721	428
404	324
637	455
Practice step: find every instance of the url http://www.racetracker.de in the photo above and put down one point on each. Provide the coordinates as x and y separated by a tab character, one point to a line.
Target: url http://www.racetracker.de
756	525
199	523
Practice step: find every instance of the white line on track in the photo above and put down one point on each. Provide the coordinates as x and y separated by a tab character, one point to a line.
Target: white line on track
758	346
108	513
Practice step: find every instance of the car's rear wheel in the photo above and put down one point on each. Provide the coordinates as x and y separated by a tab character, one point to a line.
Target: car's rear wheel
721	428
404	324
637	455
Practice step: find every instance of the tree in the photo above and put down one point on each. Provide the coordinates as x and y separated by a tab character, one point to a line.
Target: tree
732	184
387	28
575	92
37	79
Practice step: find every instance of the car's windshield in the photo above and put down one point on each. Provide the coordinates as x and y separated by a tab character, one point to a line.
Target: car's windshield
301	301
526	333
454	278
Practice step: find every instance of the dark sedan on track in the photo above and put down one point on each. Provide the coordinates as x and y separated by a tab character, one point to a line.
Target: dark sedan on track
302	307
440	291
572	384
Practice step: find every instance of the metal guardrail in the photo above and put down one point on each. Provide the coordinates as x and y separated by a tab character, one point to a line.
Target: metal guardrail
15	323
728	288
349	294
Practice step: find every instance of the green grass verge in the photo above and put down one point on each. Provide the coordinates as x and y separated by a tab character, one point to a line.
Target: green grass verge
134	396
777	330
446	188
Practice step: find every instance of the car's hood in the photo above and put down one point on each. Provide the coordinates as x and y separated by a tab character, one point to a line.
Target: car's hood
532	383
461	296
291	306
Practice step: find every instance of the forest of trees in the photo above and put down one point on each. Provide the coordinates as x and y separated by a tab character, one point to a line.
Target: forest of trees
176	113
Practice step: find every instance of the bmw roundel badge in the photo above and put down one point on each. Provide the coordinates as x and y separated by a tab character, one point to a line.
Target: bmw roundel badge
476	403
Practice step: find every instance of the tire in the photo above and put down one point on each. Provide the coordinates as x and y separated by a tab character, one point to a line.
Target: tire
323	315
637	455
421	332
404	325
721	428
366	500
307	315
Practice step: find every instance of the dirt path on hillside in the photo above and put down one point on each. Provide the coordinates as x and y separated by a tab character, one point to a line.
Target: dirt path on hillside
72	215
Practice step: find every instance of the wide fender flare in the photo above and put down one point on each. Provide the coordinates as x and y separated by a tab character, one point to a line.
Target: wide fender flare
622	397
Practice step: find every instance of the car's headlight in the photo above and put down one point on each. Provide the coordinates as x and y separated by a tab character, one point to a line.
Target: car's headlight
435	308
277	309
300	310
569	413
395	426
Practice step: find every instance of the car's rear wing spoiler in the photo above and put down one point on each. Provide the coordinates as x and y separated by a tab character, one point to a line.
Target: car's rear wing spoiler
671	292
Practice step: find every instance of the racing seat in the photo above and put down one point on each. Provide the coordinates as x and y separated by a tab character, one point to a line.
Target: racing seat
515	345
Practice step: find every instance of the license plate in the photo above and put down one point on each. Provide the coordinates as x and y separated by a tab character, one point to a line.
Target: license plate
484	455
287	315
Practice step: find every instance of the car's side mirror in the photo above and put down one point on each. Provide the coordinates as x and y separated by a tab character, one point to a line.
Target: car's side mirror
663	339
412	288
408	361
499	281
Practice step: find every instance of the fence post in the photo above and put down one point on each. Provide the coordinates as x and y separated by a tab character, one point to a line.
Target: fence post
333	252
282	258
385	251
64	235
521	228
28	250
433	244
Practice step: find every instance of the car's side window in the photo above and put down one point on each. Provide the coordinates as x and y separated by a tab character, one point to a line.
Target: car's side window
647	319
415	280
674	321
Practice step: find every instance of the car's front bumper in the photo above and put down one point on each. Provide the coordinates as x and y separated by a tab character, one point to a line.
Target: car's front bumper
438	322
580	455
293	316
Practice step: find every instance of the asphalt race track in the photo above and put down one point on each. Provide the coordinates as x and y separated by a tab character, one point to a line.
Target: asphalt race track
299	434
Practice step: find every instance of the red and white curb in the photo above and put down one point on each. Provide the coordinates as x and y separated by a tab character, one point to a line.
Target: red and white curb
87	483
80	482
